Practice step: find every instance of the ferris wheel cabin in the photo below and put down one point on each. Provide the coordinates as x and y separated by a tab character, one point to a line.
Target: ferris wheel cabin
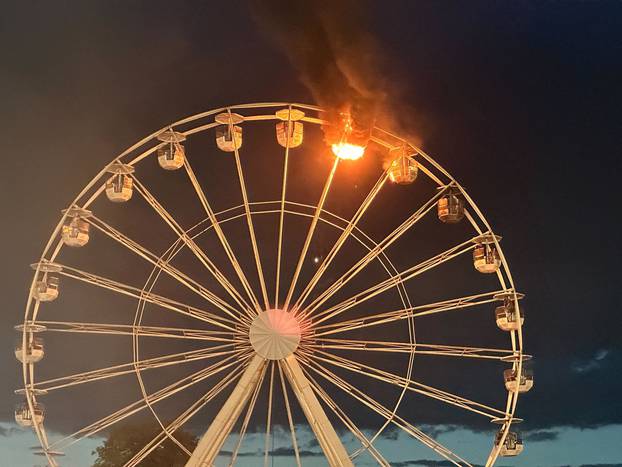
25	418
513	383
486	258
450	207
172	154
512	445
35	350
349	136
75	230
46	287
229	133
120	186
506	315
289	131
403	168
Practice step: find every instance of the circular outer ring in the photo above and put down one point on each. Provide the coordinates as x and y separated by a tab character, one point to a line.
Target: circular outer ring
260	111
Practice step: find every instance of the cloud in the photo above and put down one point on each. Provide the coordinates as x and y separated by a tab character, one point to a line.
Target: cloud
425	463
421	462
436	430
601	354
547	404
592	364
541	435
278	452
6	432
226	453
289	452
313	443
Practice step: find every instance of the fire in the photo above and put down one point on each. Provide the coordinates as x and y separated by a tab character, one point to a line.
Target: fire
349	133
348	151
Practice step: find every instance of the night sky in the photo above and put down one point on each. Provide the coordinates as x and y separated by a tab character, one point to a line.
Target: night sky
520	101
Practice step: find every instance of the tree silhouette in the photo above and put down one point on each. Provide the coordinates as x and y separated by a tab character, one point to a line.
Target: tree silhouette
124	441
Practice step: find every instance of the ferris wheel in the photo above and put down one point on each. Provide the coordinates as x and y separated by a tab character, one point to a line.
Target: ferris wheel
316	312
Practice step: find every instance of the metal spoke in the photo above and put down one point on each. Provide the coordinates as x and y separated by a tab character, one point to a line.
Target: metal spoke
166	267
289	416
386	413
340	413
191	245
411	385
282	213
417	348
373	253
341	240
220	234
153	398
249	218
394	280
131	367
159	300
182	419
138	330
310	232
406	313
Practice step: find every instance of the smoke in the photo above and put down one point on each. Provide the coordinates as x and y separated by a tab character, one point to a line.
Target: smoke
330	45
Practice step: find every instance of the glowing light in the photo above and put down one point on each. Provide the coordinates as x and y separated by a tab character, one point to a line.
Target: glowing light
348	151
316	259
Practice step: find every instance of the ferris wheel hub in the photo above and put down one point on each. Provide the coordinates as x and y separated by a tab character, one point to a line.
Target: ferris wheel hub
275	334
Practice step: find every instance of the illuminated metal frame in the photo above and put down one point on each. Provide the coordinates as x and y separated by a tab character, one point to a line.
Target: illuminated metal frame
239	358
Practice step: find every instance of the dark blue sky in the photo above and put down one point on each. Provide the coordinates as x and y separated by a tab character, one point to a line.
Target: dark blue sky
519	100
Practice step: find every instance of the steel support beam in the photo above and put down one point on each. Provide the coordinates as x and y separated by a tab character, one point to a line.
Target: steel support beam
211	443
335	453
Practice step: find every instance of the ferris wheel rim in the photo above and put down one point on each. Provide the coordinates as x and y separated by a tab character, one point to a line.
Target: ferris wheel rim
33	308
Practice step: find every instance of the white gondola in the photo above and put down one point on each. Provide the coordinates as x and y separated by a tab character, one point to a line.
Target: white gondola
450	207
119	187
229	134
403	168
24	417
512	445
35	350
75	230
513	383
486	258
290	127
171	155
506	315
46	287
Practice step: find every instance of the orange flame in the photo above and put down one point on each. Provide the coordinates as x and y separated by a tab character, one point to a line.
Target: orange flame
348	151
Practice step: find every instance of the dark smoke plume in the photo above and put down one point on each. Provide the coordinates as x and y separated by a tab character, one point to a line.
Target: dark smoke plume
329	44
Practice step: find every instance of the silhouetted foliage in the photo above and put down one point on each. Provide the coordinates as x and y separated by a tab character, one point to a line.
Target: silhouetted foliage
124	441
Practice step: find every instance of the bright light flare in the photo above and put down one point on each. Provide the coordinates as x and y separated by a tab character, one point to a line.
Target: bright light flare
348	151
